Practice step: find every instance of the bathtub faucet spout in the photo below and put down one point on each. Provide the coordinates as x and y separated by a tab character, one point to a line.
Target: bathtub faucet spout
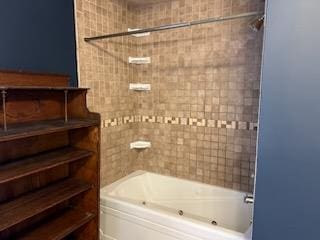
249	199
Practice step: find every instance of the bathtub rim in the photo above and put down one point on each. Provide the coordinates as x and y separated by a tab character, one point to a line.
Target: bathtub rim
113	185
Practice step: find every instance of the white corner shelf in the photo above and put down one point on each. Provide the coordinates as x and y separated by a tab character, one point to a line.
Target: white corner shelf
140	145
139	87
139	60
138	34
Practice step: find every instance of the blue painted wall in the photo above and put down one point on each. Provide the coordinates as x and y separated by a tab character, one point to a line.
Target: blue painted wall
38	36
288	178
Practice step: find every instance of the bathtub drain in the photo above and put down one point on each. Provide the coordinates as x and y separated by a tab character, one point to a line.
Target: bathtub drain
180	212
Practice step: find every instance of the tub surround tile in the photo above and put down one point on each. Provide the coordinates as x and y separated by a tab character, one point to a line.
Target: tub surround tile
104	69
205	92
201	114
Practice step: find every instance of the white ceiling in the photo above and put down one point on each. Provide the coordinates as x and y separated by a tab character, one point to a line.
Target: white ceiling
144	2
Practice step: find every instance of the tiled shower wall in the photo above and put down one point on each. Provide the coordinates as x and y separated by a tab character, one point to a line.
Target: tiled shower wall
201	113
207	78
104	69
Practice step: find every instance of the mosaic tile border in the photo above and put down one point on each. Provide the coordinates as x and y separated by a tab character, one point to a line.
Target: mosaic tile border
236	125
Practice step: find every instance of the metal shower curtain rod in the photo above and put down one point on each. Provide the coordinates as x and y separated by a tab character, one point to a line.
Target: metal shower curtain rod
176	25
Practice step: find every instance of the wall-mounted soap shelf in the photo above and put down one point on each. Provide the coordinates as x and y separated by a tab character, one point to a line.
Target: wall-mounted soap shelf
138	34
140	145
139	87
139	60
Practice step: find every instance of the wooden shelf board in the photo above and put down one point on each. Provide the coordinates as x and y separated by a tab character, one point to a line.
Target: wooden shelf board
59	227
30	129
40	162
41	88
32	204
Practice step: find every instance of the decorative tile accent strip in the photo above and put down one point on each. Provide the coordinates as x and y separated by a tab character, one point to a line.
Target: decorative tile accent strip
128	119
238	125
111	122
160	119
171	120
151	119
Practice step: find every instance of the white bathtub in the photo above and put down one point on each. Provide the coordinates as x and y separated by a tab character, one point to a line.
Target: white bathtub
145	206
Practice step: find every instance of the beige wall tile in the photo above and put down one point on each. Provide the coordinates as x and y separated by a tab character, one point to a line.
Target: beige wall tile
201	113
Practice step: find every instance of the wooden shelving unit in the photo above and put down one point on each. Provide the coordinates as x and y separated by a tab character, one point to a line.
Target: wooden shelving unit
59	227
41	162
29	205
49	159
24	130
